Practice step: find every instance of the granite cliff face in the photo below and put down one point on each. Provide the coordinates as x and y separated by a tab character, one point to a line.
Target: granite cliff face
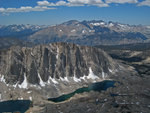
46	64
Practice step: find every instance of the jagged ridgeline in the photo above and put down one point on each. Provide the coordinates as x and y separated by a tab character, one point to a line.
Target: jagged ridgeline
44	65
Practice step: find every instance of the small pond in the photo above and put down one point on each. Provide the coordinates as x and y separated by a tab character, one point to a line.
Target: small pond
19	106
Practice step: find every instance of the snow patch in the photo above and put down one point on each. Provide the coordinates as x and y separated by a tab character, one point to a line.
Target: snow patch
30	98
91	75
98	24
121	25
48	81
103	75
21	98
111	71
34	85
41	81
24	84
57	53
91	31
15	85
73	30
83	31
2	79
76	79
111	25
148	27
53	80
29	92
32	54
64	79
83	78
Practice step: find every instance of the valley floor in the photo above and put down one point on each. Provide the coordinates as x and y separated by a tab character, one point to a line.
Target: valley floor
131	95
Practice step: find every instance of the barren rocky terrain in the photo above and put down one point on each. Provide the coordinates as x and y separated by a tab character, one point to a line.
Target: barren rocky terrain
131	94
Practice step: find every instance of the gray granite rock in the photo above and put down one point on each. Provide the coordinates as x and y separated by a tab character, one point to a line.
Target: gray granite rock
54	60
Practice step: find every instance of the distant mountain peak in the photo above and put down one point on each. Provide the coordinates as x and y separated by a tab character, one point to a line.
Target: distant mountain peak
20	30
70	22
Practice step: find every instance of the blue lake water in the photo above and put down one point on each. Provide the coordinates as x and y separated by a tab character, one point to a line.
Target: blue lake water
99	86
15	106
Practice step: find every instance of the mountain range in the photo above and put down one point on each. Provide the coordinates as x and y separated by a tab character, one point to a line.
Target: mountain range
19	31
92	33
95	32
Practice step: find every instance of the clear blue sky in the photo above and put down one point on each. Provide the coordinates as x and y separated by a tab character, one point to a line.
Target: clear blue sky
51	12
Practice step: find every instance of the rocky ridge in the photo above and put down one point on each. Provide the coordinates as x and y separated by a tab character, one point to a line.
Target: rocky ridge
54	67
57	60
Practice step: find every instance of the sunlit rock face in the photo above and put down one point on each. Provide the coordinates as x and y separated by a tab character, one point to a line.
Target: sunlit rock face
45	65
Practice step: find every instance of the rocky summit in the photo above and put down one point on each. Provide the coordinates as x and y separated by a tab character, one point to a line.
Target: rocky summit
53	69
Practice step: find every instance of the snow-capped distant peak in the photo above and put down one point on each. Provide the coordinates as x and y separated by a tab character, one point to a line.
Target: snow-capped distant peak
83	31
148	27
98	24
111	25
22	27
